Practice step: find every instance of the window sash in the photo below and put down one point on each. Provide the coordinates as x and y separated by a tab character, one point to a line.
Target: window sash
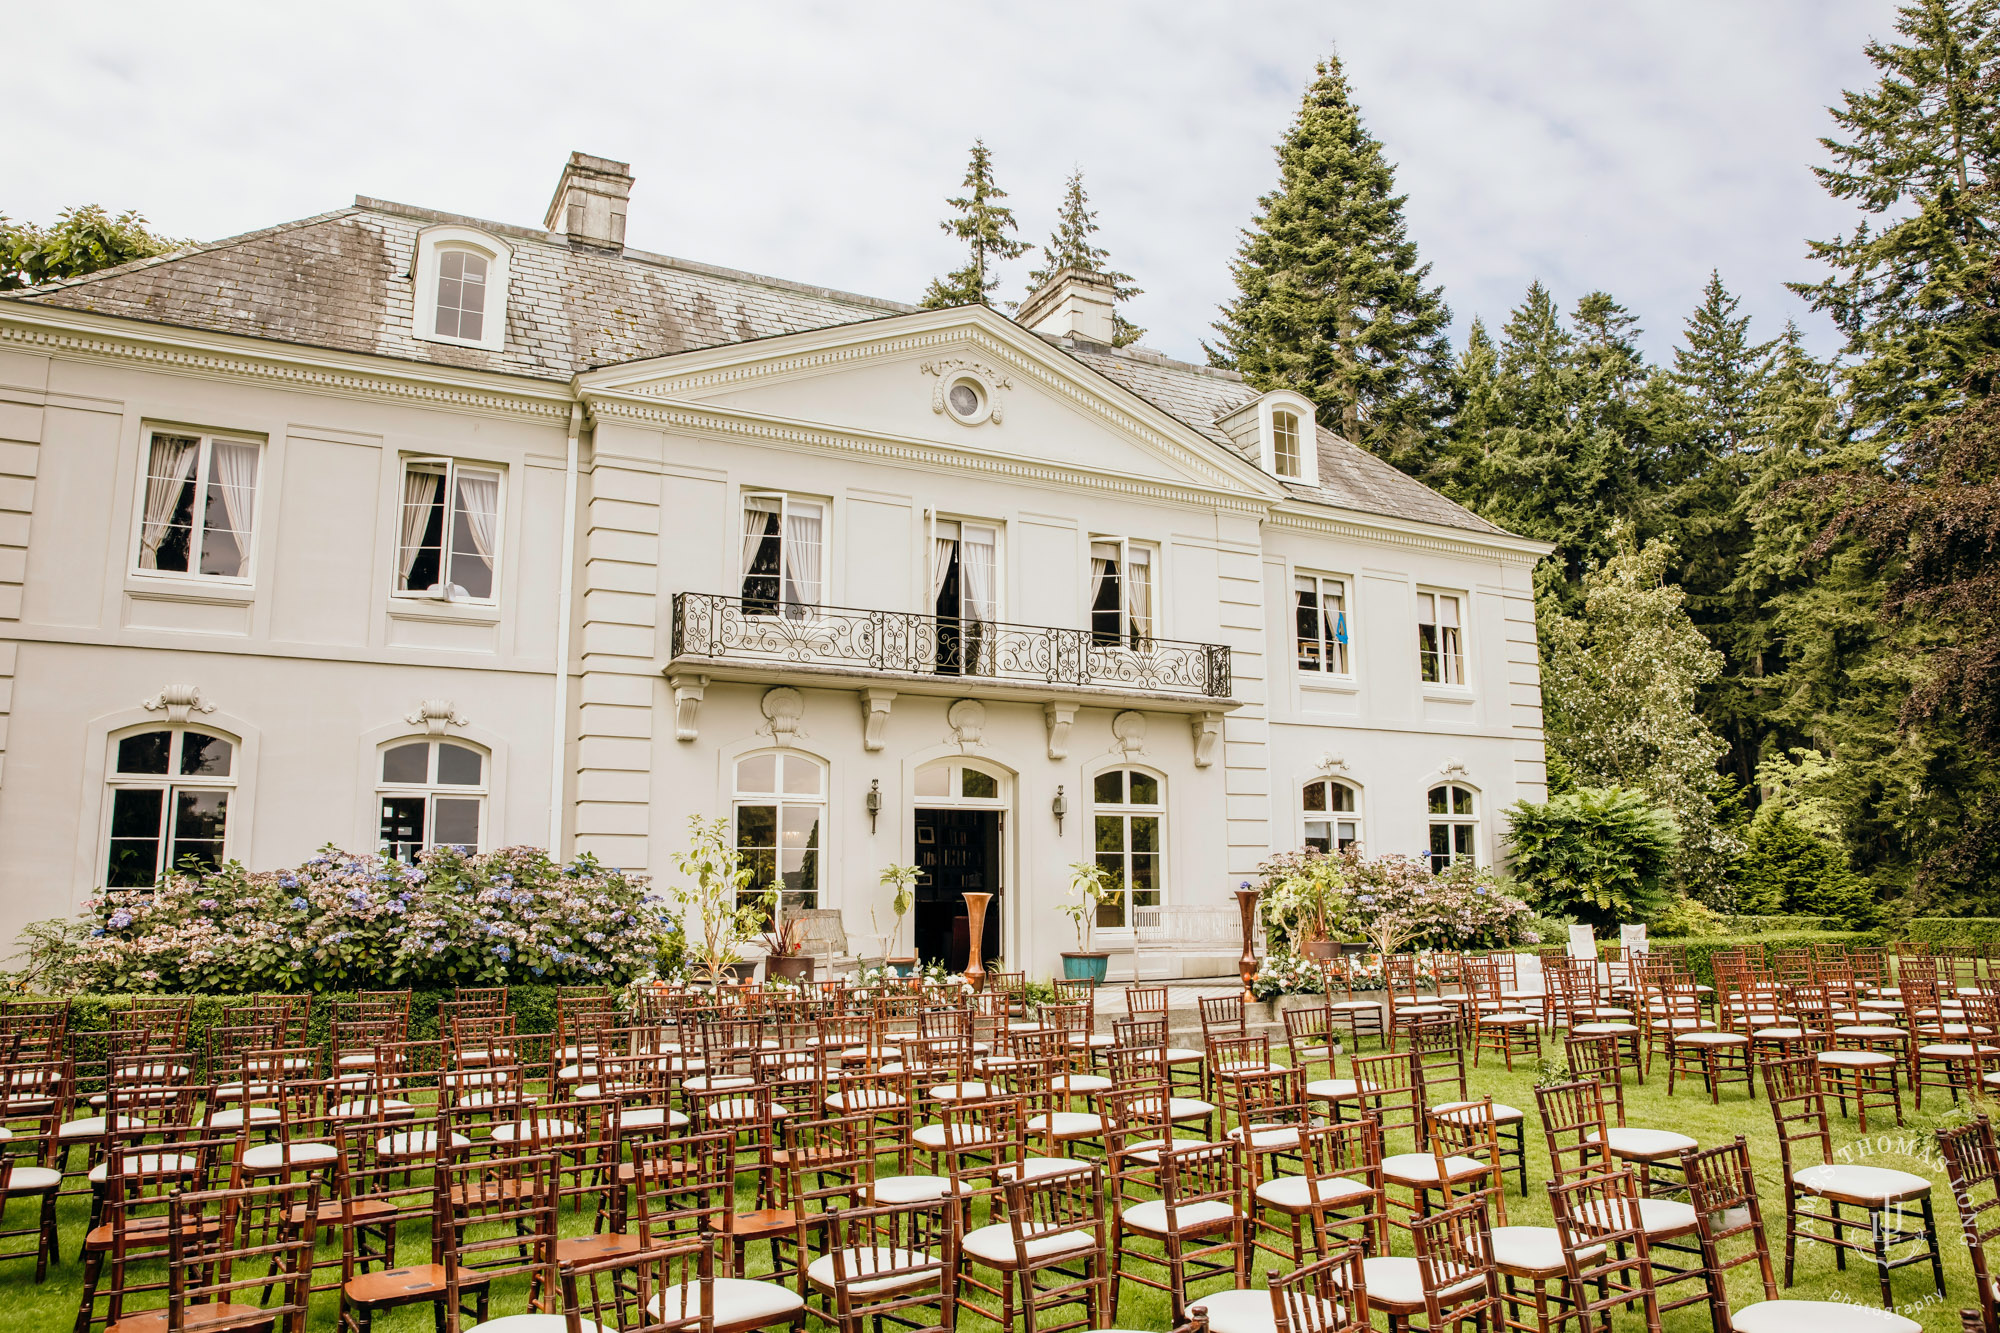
464	527
788	566
209	509
1126	616
1285	445
186	819
1440	645
1320	628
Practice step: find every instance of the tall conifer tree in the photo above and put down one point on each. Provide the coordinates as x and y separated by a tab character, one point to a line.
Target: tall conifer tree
1331	299
1070	246
983	223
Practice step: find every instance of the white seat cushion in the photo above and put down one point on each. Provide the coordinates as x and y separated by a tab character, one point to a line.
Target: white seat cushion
964	1091
1711	1039
535	1323
1818	1317
737	1301
1857	1059
1148	1150
421	1144
1068	1124
1508	1019
145	1164
1644	1144
1399	1281
873	1260
911	1189
864	1099
651	1117
964	1136
1421	1168
266	1156
35	1180
1337	1087
1503	1114
1533	1249
718	1083
1863	1182
1239	1311
1268	1138
1659	1217
1603	1029
1289	1192
547	1128
234	1117
1081	1084
361	1110
1151	1216
1181	1055
995	1244
92	1127
1034	1168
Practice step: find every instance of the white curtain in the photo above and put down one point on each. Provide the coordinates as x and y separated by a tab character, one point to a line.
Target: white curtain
479	498
756	523
234	470
167	473
420	492
941	550
975	571
802	555
1100	569
1139	595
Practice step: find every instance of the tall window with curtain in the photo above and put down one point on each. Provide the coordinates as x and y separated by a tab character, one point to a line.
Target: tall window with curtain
1440	641
1320	605
1121	594
964	594
450	526
784	541
199	505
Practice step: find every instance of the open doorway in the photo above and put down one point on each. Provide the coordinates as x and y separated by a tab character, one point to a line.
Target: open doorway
958	852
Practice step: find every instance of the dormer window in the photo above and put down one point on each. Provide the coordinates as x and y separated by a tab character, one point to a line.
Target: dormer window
1285	443
461	282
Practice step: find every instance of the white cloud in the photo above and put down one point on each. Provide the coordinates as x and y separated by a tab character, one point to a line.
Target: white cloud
1630	147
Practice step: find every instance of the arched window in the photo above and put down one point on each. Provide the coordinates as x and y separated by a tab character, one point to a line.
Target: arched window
461	287
1454	824
1128	811
433	794
170	789
1333	815
1285	444
780	812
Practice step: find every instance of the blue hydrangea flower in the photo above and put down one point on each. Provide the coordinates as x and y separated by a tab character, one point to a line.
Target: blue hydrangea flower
300	904
119	919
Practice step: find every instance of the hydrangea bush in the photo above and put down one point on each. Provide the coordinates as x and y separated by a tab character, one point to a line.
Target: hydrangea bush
344	920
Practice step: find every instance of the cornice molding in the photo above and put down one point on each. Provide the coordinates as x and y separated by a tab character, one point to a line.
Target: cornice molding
52	331
735	424
847	345
1506	548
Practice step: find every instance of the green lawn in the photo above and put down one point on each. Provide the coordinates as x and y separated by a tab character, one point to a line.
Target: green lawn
52	1305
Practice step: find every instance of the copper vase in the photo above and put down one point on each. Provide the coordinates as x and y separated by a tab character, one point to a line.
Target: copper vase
975	922
1246	967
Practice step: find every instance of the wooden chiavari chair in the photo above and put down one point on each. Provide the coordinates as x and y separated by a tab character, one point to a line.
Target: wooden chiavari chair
890	1263
1197	1220
1607	1248
1049	1254
1972	1165
1805	1142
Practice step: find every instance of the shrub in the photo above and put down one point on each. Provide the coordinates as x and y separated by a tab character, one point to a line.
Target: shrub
1688	916
1793	867
361	921
1601	854
1399	902
1951	930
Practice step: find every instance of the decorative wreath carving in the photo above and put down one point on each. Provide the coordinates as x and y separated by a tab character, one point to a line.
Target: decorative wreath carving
950	368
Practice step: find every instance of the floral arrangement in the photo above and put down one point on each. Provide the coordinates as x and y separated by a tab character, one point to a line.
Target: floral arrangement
346	920
934	977
1288	974
1394	902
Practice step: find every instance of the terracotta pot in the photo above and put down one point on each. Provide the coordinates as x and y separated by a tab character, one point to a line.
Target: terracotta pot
1322	948
792	967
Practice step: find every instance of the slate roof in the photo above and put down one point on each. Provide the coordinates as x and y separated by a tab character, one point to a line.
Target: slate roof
342	280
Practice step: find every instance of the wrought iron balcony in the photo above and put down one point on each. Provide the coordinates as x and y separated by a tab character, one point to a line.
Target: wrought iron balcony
715	628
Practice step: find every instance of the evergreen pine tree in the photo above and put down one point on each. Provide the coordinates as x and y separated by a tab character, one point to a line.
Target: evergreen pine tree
1922	153
1069	246
983	224
1331	299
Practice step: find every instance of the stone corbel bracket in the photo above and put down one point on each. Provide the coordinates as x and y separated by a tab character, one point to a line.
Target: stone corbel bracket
1207	728
687	704
179	702
1128	732
784	708
1060	718
875	705
434	716
967	720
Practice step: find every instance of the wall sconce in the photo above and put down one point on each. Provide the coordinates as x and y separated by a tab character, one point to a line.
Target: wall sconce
874	802
1059	807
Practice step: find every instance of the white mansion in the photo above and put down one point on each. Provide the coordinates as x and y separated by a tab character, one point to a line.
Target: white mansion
394	528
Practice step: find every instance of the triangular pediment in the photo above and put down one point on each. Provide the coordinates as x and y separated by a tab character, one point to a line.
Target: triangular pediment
893	379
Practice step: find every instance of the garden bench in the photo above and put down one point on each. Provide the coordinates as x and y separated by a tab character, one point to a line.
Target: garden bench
1184	933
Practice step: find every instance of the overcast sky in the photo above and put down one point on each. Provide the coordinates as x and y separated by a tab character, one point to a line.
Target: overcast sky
1627	146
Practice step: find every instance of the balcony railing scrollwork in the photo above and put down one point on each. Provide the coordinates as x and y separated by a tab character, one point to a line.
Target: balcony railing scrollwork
719	627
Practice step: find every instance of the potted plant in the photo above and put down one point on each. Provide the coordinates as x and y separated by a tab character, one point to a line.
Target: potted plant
783	943
902	880
1089	885
722	920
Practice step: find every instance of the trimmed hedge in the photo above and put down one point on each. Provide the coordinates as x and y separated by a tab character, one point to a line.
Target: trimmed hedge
1699	949
533	1008
1951	930
1759	925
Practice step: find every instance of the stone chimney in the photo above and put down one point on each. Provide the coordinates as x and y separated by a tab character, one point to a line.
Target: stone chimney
1073	303
589	206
